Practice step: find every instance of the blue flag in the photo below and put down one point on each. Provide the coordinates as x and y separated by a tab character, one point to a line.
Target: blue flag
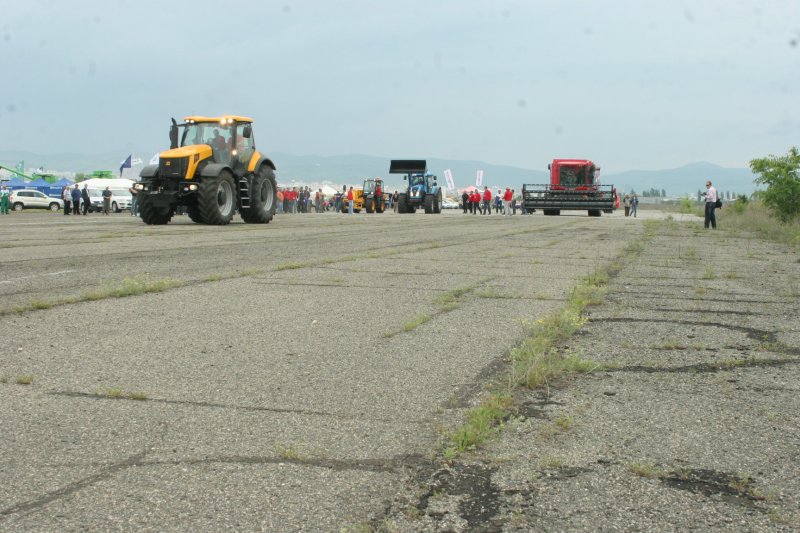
125	164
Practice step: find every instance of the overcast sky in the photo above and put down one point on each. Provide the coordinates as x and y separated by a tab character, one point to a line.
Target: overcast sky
630	84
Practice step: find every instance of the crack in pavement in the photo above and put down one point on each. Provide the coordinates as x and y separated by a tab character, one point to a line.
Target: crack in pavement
213	405
74	487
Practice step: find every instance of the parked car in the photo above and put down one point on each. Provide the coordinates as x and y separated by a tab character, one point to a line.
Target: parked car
33	199
447	203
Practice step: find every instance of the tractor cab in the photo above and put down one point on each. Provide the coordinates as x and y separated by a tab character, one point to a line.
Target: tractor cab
229	138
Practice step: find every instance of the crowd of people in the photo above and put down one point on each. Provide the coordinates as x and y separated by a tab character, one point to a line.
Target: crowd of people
505	202
77	201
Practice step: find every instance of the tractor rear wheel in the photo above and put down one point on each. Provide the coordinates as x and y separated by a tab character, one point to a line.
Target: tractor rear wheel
369	204
379	207
152	213
437	204
216	199
594	212
402	204
262	198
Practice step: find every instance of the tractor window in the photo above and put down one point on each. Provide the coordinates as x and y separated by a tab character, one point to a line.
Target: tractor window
244	146
369	186
573	176
417	179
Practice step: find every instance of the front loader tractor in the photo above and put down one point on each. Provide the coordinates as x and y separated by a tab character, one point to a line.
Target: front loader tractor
422	189
213	169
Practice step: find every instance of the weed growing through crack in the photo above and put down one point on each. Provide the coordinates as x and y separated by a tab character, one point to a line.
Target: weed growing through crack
709	273
645	470
110	392
290	266
133	287
3	378
482	421
138	395
732	275
289	453
25	379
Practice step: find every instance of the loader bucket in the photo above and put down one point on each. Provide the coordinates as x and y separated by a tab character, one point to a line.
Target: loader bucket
408	166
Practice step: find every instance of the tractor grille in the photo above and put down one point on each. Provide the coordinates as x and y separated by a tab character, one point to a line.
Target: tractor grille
173	168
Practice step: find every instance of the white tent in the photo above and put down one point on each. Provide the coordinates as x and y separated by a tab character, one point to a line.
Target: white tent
102	183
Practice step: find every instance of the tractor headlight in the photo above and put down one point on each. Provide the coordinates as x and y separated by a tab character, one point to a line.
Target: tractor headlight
139	186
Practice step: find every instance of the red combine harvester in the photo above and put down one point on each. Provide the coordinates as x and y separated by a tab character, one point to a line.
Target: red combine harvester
574	185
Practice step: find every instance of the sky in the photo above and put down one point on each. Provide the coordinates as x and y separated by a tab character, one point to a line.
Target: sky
629	84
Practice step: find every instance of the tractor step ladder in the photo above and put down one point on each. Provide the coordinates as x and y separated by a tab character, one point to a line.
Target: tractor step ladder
244	192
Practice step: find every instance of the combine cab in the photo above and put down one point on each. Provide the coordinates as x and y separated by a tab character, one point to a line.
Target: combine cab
213	169
422	189
574	185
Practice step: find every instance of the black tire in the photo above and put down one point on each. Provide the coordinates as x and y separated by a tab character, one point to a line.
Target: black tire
54	207
437	205
216	199
402	204
380	207
194	213
154	214
263	195
551	212
595	212
369	204
427	203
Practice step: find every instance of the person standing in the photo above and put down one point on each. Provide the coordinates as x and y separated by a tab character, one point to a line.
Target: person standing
86	201
507	197
465	201
634	205
350	200
487	201
134	201
395	196
711	205
106	200
76	200
378	198
627	203
66	195
4	195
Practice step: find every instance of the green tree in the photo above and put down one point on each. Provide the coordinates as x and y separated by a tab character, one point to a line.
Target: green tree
780	175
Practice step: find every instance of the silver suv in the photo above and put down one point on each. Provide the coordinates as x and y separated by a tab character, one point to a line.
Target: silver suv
33	199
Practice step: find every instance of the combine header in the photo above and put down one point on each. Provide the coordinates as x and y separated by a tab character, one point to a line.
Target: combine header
574	185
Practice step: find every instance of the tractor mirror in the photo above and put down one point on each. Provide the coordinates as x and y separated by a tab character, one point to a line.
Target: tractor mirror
405	178
173	135
247	131
548	166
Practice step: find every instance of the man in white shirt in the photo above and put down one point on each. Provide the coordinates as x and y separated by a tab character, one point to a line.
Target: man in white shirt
711	205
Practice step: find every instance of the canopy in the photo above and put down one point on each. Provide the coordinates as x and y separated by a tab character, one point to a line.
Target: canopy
39	184
63	182
15	183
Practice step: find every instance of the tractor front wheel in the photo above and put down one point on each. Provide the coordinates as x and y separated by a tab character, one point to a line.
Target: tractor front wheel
428	203
402	204
153	212
216	199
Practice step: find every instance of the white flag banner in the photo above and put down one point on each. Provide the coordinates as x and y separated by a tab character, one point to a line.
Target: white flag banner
154	159
479	179
136	161
448	176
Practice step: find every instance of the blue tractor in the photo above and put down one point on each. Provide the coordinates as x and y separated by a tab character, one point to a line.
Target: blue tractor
422	189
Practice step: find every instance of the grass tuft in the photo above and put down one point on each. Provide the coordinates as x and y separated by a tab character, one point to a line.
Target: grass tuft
482	422
25	379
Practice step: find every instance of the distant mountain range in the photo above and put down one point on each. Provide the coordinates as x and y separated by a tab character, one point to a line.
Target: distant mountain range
351	169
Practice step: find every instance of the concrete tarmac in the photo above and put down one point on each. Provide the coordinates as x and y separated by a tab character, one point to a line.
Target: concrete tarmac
279	377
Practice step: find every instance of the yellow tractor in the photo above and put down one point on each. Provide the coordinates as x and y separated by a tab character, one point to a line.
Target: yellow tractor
365	197
213	169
